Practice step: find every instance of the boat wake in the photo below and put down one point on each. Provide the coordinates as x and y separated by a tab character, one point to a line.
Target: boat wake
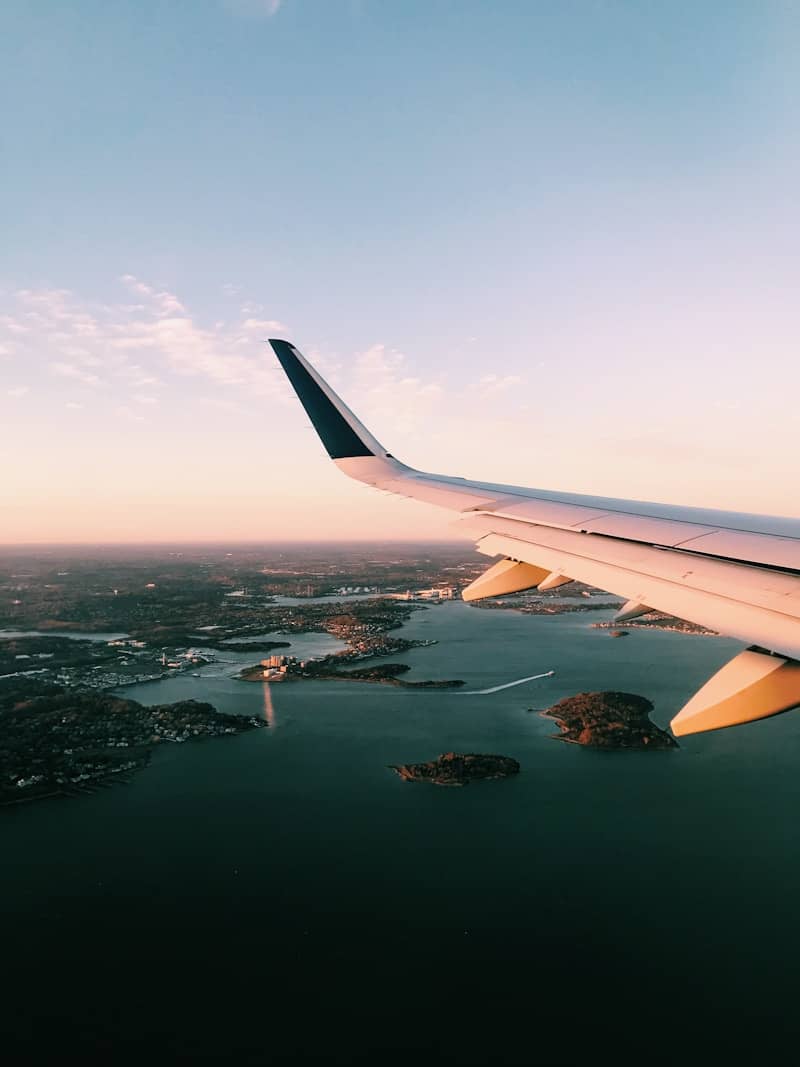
506	685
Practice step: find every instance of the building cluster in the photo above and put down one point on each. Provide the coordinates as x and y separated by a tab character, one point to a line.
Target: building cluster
276	667
195	656
135	663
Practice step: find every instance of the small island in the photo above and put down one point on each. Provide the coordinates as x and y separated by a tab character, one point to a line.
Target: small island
455	768
608	720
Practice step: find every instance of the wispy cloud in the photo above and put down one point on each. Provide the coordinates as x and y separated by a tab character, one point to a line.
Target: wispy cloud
265	326
494	383
125	411
18	391
139	346
217	403
12	325
167	303
254	8
134	359
69	370
381	387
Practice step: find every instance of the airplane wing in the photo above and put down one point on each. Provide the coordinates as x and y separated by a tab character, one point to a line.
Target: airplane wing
734	573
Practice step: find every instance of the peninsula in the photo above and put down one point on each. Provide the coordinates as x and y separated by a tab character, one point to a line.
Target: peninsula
455	768
656	620
608	720
327	670
60	740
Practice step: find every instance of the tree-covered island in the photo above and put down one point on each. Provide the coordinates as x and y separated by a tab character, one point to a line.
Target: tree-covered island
608	720
456	768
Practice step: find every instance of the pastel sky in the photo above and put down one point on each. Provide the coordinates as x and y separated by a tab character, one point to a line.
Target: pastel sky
551	243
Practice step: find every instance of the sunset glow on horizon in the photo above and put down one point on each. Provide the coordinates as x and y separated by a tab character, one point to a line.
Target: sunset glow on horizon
546	245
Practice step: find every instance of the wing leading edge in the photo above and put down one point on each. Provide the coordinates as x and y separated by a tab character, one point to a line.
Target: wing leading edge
735	573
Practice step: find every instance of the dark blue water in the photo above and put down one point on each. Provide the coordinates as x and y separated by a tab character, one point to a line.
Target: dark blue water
282	896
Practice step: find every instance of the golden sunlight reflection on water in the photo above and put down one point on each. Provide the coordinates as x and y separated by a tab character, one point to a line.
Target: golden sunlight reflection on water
269	709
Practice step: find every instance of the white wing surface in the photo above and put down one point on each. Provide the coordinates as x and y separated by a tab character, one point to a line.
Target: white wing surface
734	573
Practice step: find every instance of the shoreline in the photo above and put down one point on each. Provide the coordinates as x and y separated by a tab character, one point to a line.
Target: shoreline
689	629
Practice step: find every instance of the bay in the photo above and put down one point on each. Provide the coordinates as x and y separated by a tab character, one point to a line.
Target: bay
281	896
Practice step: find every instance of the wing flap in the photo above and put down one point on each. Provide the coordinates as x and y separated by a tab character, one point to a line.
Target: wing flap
713	595
765	550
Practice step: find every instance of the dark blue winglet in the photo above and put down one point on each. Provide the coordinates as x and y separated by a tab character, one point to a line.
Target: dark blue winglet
339	438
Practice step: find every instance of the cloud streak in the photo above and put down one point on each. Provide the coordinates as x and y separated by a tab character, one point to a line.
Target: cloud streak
266	9
133	346
136	359
69	370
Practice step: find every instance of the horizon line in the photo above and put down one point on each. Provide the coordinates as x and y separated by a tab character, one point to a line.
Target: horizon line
249	543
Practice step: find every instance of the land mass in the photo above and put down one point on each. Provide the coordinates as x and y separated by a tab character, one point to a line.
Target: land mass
658	621
194	594
59	740
608	720
455	768
318	670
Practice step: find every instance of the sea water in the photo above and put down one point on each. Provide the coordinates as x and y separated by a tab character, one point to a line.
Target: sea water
282	896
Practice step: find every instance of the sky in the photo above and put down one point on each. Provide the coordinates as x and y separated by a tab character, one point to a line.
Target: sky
554	244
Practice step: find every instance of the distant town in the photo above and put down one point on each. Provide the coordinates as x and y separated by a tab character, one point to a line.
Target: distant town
80	625
181	610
